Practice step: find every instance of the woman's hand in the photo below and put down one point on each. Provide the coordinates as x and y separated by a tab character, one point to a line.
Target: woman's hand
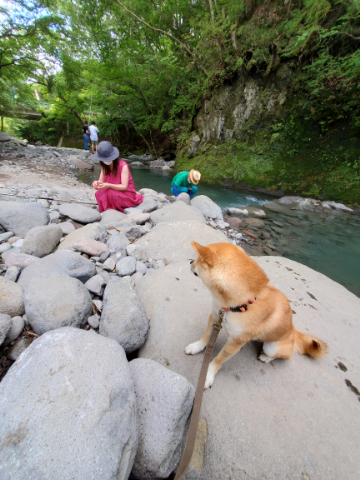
95	185
102	185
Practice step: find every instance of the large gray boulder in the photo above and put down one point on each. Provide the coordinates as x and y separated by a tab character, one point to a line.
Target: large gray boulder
94	231
63	261
207	207
149	204
164	402
123	317
77	414
41	241
170	242
11	298
20	217
266	419
56	301
177	212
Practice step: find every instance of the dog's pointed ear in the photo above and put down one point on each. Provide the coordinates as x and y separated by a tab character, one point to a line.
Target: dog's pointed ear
203	252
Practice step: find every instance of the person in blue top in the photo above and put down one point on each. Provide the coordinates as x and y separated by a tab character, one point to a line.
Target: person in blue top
186	182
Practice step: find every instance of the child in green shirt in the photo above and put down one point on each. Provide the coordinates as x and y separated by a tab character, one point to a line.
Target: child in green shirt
186	182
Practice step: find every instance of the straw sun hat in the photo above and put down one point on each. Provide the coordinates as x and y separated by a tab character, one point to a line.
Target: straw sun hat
195	176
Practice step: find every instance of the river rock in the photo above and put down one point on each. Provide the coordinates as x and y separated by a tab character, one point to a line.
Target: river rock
287	200
176	212
78	163
20	217
94	321
20	260
12	273
90	246
84	393
336	206
112	218
135	231
79	213
237	212
56	301
67	227
67	262
94	231
148	191
95	284
41	241
17	349
149	204
244	438
123	317
5	236
4	247
183	197
164	402
284	209
17	326
118	243
5	326
11	298
234	222
126	266
254	222
109	264
207	207
171	242
139	218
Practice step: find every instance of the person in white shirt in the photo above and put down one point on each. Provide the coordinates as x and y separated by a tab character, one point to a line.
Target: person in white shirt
94	136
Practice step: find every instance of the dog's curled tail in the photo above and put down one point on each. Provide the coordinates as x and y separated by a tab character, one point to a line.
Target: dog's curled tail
309	345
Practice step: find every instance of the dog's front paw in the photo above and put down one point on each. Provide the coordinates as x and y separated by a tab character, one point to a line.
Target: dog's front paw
194	348
210	377
264	358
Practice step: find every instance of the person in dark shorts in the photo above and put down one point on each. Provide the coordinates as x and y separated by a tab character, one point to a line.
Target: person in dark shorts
86	135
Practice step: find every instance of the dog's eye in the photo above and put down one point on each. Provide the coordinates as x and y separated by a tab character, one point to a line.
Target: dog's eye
192	261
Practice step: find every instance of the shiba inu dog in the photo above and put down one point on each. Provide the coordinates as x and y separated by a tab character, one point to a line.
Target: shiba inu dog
254	309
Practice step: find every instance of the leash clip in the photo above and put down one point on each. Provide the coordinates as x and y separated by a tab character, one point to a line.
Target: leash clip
221	318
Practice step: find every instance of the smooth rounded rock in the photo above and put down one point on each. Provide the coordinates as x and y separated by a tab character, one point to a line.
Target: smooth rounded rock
207	207
79	213
126	266
177	212
56	301
112	218
94	231
17	326
11	298
123	317
171	242
20	217
77	414
5	326
90	246
41	241
164	403
63	261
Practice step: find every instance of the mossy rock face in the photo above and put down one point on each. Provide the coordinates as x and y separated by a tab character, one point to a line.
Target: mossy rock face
254	131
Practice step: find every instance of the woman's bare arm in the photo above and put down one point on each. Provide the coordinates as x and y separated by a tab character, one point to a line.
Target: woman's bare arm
121	187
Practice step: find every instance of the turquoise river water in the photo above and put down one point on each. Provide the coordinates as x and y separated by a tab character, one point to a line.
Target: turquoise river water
328	243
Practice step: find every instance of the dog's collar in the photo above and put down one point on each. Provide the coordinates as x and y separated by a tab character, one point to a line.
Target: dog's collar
240	308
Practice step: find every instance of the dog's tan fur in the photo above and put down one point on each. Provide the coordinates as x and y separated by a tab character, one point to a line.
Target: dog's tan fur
234	278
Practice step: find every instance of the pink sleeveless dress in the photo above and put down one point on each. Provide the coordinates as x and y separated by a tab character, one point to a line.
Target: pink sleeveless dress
113	199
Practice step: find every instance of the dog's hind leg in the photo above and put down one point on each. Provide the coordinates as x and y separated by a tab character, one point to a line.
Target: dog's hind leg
271	350
196	347
230	348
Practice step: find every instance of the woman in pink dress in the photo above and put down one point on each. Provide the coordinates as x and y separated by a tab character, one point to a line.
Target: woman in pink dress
115	187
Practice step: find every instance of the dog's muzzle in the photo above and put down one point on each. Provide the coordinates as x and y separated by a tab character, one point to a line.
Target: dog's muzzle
191	262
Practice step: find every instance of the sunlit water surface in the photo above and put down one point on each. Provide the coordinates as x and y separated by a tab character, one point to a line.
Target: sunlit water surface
329	244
